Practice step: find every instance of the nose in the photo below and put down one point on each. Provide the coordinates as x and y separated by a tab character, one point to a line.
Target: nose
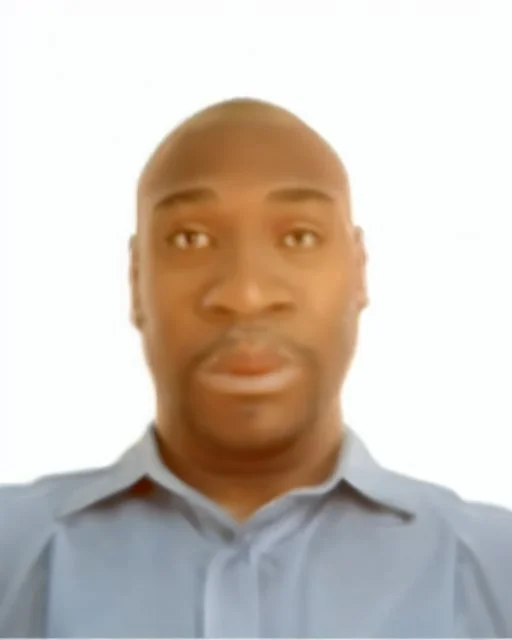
247	289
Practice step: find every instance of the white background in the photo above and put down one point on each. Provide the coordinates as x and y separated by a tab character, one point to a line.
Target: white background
416	97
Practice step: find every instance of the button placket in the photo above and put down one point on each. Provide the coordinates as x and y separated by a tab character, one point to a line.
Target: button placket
231	595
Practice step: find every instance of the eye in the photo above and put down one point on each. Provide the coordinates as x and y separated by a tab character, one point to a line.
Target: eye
184	240
301	239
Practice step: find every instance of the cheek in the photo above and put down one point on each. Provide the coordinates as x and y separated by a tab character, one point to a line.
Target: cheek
164	296
169	326
334	309
330	296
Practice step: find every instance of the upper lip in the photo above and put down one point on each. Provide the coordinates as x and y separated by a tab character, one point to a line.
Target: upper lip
247	361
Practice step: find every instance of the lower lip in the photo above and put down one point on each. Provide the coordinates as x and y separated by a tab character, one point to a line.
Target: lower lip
266	383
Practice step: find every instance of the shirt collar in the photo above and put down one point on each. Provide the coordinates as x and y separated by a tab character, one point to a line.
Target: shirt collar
141	466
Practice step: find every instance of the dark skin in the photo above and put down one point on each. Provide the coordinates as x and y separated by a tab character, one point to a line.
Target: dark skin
244	229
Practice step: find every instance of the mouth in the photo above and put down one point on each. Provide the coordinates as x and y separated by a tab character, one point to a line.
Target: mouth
246	372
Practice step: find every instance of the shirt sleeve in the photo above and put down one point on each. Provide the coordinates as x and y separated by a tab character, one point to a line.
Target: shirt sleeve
486	533
24	534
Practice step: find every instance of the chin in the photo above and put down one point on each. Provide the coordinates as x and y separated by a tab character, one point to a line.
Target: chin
250	424
251	434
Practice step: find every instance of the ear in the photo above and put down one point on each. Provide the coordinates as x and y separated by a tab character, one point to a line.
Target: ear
136	309
361	272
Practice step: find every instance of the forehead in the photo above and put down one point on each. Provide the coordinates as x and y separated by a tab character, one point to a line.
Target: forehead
258	155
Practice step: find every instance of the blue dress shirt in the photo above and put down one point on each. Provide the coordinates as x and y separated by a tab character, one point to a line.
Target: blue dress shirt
131	551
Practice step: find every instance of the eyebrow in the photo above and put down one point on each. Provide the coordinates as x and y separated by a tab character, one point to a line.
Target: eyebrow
186	196
300	194
198	195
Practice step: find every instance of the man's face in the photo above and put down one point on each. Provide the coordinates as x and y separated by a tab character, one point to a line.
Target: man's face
248	280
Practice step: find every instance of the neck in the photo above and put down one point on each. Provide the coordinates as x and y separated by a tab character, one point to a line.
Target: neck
242	482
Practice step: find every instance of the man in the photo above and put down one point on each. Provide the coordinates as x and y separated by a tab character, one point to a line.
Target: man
249	508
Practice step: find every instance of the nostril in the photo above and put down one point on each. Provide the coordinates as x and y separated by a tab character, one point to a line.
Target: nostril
221	311
280	307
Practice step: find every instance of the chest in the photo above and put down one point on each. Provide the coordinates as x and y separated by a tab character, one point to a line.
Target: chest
330	579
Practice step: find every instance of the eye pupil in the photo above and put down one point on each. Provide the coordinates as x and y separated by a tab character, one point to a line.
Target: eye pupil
191	240
300	238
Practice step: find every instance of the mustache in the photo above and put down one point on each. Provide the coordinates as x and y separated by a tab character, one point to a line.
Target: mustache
253	336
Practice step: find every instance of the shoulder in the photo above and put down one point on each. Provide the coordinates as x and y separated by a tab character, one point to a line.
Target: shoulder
484	529
28	514
482	533
28	507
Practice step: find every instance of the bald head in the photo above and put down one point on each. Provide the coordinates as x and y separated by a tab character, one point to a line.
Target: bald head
257	128
243	109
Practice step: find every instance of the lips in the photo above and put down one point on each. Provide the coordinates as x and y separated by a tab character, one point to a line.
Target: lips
248	363
249	371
